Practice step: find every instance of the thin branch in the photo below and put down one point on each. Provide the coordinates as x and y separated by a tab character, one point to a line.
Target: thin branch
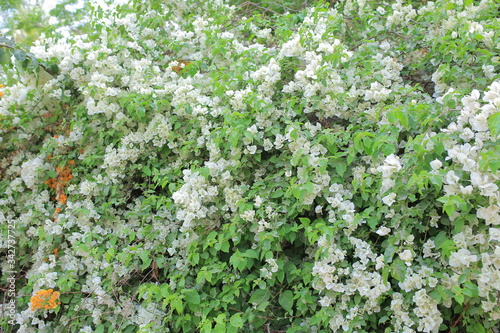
31	58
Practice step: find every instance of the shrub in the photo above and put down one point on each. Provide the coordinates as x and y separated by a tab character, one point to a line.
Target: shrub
187	168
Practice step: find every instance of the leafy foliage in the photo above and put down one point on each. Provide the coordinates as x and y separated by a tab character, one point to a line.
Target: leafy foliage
206	168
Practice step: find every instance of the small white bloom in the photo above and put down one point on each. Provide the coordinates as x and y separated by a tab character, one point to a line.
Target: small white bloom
391	165
462	258
389	199
436	164
252	149
253	129
325	301
451	178
406	255
379	262
258	201
383	231
494	234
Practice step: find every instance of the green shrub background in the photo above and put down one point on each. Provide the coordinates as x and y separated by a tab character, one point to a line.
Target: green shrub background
256	167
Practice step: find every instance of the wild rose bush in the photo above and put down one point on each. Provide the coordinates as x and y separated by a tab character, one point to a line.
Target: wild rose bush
191	167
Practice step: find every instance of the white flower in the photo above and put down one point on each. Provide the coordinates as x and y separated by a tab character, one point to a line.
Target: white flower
29	171
253	129
391	165
485	185
252	149
291	48
389	199
451	178
383	231
379	262
489	214
494	234
479	123
427	250
462	258
406	255
325	301
489	71
436	164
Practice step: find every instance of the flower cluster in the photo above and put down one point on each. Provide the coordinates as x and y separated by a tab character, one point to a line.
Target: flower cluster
63	177
45	299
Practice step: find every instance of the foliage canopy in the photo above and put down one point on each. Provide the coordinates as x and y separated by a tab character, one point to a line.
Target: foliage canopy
200	167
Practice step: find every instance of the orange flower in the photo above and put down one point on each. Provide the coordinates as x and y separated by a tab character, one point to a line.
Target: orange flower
1	92
64	175
58	210
45	299
62	199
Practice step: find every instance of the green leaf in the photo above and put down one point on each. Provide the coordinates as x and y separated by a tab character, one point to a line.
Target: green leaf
177	305
478	328
251	254
192	296
470	289
146	170
259	296
220	328
309	187
398	270
340	168
206	327
99	328
459	298
20	55
224	246
447	247
7	41
236	320
494	124
141	112
52	173
205	172
146	260
389	253
277	194
238	261
286	301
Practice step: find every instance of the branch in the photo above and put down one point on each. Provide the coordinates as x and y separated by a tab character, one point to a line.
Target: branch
29	56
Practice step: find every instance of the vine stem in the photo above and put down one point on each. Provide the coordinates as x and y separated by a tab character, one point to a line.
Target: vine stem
461	316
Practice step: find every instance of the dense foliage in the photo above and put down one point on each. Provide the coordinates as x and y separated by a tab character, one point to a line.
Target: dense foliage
200	167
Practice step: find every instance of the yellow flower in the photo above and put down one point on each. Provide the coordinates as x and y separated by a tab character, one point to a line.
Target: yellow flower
45	299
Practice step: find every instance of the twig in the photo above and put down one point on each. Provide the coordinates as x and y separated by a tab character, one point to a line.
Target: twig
461	316
30	57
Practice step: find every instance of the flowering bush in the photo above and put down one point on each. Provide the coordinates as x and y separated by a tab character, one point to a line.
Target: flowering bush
328	169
